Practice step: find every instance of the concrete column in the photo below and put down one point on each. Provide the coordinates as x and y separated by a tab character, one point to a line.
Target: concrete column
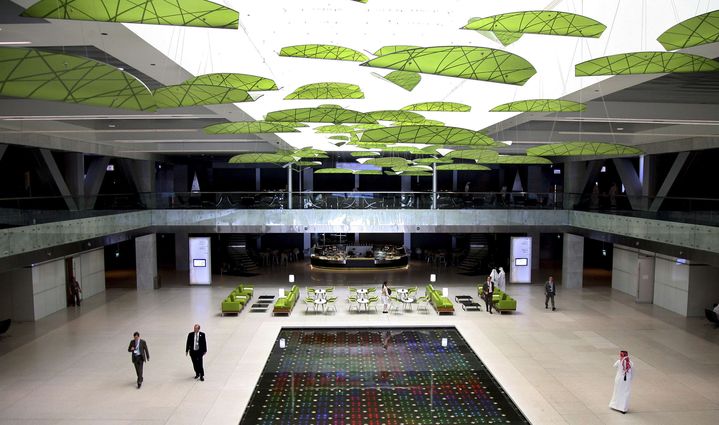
258	174
309	179
434	186
535	249
406	184
182	251
572	261
74	173
181	179
408	242
146	261
307	243
289	187
454	181
536	183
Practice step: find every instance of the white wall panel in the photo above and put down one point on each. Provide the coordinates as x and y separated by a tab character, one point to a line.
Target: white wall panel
625	269
671	285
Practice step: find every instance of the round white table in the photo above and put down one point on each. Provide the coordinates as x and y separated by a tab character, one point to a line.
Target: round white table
320	294
362	293
320	302
363	302
407	303
402	293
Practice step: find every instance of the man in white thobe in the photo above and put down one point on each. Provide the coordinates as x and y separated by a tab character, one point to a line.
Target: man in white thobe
622	383
501	280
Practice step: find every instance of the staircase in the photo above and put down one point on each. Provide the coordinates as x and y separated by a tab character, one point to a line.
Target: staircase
238	260
476	257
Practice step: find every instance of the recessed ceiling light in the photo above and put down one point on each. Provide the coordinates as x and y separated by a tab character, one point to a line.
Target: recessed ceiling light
112	125
620	128
14	43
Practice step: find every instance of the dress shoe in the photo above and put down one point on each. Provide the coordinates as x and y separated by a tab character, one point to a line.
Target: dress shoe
553	308
202	378
139	384
197	376
546	306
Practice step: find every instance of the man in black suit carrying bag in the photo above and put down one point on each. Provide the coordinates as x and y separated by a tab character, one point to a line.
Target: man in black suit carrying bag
196	347
140	355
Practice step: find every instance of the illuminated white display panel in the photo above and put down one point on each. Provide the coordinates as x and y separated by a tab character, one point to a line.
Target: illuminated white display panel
521	253
200	264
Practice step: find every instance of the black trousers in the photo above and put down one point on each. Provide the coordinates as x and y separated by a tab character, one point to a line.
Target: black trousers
488	301
196	357
76	299
139	363
547	298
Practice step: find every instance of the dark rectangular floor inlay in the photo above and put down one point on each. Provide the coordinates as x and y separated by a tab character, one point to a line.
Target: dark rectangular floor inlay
391	376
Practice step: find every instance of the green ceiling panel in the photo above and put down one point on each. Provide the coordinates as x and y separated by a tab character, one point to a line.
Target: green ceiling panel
696	31
262	158
326	91
462	167
423	122
480	155
540	22
401	149
429	161
517	159
476	63
369	145
403	116
368	172
414	174
386	50
345	138
364	154
364	127
190	13
505	38
438	107
308	163
428	135
35	74
387	162
405	79
323	51
334	128
583	149
646	63
236	81
323	115
251	127
410	168
198	94
541	105
309	153
333	171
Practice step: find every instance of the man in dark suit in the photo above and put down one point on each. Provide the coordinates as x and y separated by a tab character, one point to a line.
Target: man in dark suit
550	290
196	347
488	290
140	355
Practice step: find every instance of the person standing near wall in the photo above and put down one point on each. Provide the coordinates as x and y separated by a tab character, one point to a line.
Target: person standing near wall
550	290
622	383
140	355
75	291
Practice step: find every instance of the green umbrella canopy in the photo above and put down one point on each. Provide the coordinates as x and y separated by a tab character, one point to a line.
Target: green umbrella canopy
326	91
515	159
540	22
236	81
198	94
462	167
386	50
252	127
345	138
479	155
504	38
368	172
191	13
429	161
363	127
405	79
36	74
308	163
323	51
364	154
411	168
423	122
335	128
646	63
411	174
438	107
369	145
400	149
696	31
427	135
403	116
262	158
583	149
476	63
387	162
333	171
320	114
541	105
309	153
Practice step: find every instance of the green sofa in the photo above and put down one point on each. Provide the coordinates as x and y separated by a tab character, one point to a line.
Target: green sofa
285	304
500	300
237	299
441	304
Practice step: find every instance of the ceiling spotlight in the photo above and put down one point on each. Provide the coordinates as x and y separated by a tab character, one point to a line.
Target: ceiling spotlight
120	68
620	128
112	125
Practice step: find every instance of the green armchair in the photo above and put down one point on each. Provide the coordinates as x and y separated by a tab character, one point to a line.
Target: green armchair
246	290
233	304
285	304
506	303
442	304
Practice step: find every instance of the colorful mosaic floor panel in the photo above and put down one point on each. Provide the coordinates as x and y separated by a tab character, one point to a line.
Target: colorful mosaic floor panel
389	376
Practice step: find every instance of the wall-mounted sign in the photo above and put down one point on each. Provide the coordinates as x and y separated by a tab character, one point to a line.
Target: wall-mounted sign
521	257
200	263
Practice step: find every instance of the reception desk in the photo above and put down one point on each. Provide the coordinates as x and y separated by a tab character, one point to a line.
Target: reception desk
359	263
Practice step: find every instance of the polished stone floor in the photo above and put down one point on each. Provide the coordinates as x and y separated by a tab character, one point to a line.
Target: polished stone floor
73	367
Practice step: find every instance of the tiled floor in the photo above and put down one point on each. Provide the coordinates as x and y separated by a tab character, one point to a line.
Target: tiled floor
72	367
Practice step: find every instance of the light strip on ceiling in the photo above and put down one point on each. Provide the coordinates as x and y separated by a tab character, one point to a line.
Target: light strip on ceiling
14	43
606	133
134	130
185	151
105	117
637	121
190	141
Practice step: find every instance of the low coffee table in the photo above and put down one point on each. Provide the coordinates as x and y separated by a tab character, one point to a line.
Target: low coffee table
266	298
259	307
468	303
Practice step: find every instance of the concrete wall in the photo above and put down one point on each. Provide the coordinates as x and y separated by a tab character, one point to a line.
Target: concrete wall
671	284
625	268
48	288
18	302
90	272
703	288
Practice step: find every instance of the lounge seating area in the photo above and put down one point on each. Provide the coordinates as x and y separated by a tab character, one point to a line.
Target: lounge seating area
284	305
237	299
711	316
441	304
500	300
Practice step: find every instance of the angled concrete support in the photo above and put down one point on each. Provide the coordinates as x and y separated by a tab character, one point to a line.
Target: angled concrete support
577	176
631	181
3	148
142	176
93	179
669	180
57	177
